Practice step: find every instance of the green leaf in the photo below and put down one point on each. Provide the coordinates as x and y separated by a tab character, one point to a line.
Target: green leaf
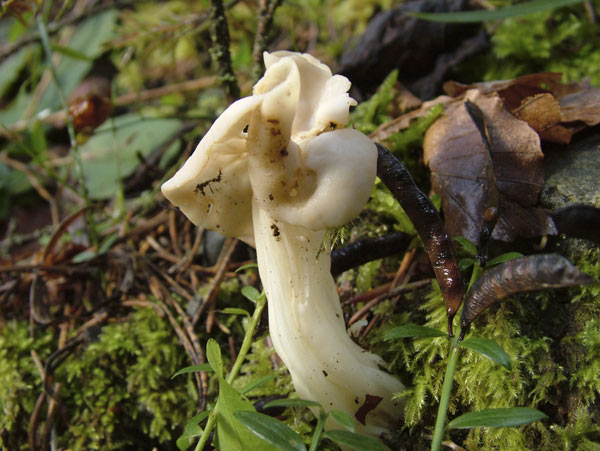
11	67
185	440
90	254
107	243
355	441
213	354
466	263
467	245
235	311
251	293
231	434
247	266
116	148
85	256
343	418
496	418
193	369
257	383
71	53
412	330
192	429
520	9
197	419
489	349
271	430
292	403
502	258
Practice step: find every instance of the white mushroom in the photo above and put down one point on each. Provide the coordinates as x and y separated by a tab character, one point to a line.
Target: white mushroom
278	166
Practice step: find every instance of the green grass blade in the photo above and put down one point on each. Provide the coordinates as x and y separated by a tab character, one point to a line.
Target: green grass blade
489	349
520	9
496	418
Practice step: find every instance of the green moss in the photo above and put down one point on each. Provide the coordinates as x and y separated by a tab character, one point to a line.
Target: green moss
370	114
563	40
553	341
20	381
119	389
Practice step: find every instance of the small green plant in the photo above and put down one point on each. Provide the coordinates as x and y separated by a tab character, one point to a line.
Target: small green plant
229	432
490	349
281	436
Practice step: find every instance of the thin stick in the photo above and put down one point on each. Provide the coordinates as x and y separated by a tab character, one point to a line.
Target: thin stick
266	12
74	147
219	35
220	272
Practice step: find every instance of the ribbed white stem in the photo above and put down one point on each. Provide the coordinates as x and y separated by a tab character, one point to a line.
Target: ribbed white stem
307	326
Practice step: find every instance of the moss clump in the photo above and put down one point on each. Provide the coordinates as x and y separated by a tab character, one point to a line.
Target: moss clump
20	381
119	389
553	340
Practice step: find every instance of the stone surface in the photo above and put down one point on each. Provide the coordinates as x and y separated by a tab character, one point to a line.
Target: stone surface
572	176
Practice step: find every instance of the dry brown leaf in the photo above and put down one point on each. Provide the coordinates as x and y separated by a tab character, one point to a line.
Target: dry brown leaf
542	113
454	152
582	105
579	102
512	92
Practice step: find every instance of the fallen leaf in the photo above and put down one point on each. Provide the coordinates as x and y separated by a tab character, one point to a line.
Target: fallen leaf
456	155
534	272
512	92
579	102
581	105
543	113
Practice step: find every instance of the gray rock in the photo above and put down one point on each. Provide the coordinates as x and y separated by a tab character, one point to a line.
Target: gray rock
572	177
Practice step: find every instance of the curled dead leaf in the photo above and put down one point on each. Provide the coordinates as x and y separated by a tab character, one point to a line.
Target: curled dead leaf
458	160
578	103
534	272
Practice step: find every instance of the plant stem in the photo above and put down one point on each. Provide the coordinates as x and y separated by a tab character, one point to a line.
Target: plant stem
318	430
246	343
440	423
74	147
266	12
210	424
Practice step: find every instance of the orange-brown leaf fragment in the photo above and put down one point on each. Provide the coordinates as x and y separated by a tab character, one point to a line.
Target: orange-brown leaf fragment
542	113
456	155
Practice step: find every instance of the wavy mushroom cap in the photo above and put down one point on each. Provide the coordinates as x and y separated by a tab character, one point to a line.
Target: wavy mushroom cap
283	146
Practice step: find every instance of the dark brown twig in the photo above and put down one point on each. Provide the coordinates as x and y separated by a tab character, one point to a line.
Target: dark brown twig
219	51
266	12
366	250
